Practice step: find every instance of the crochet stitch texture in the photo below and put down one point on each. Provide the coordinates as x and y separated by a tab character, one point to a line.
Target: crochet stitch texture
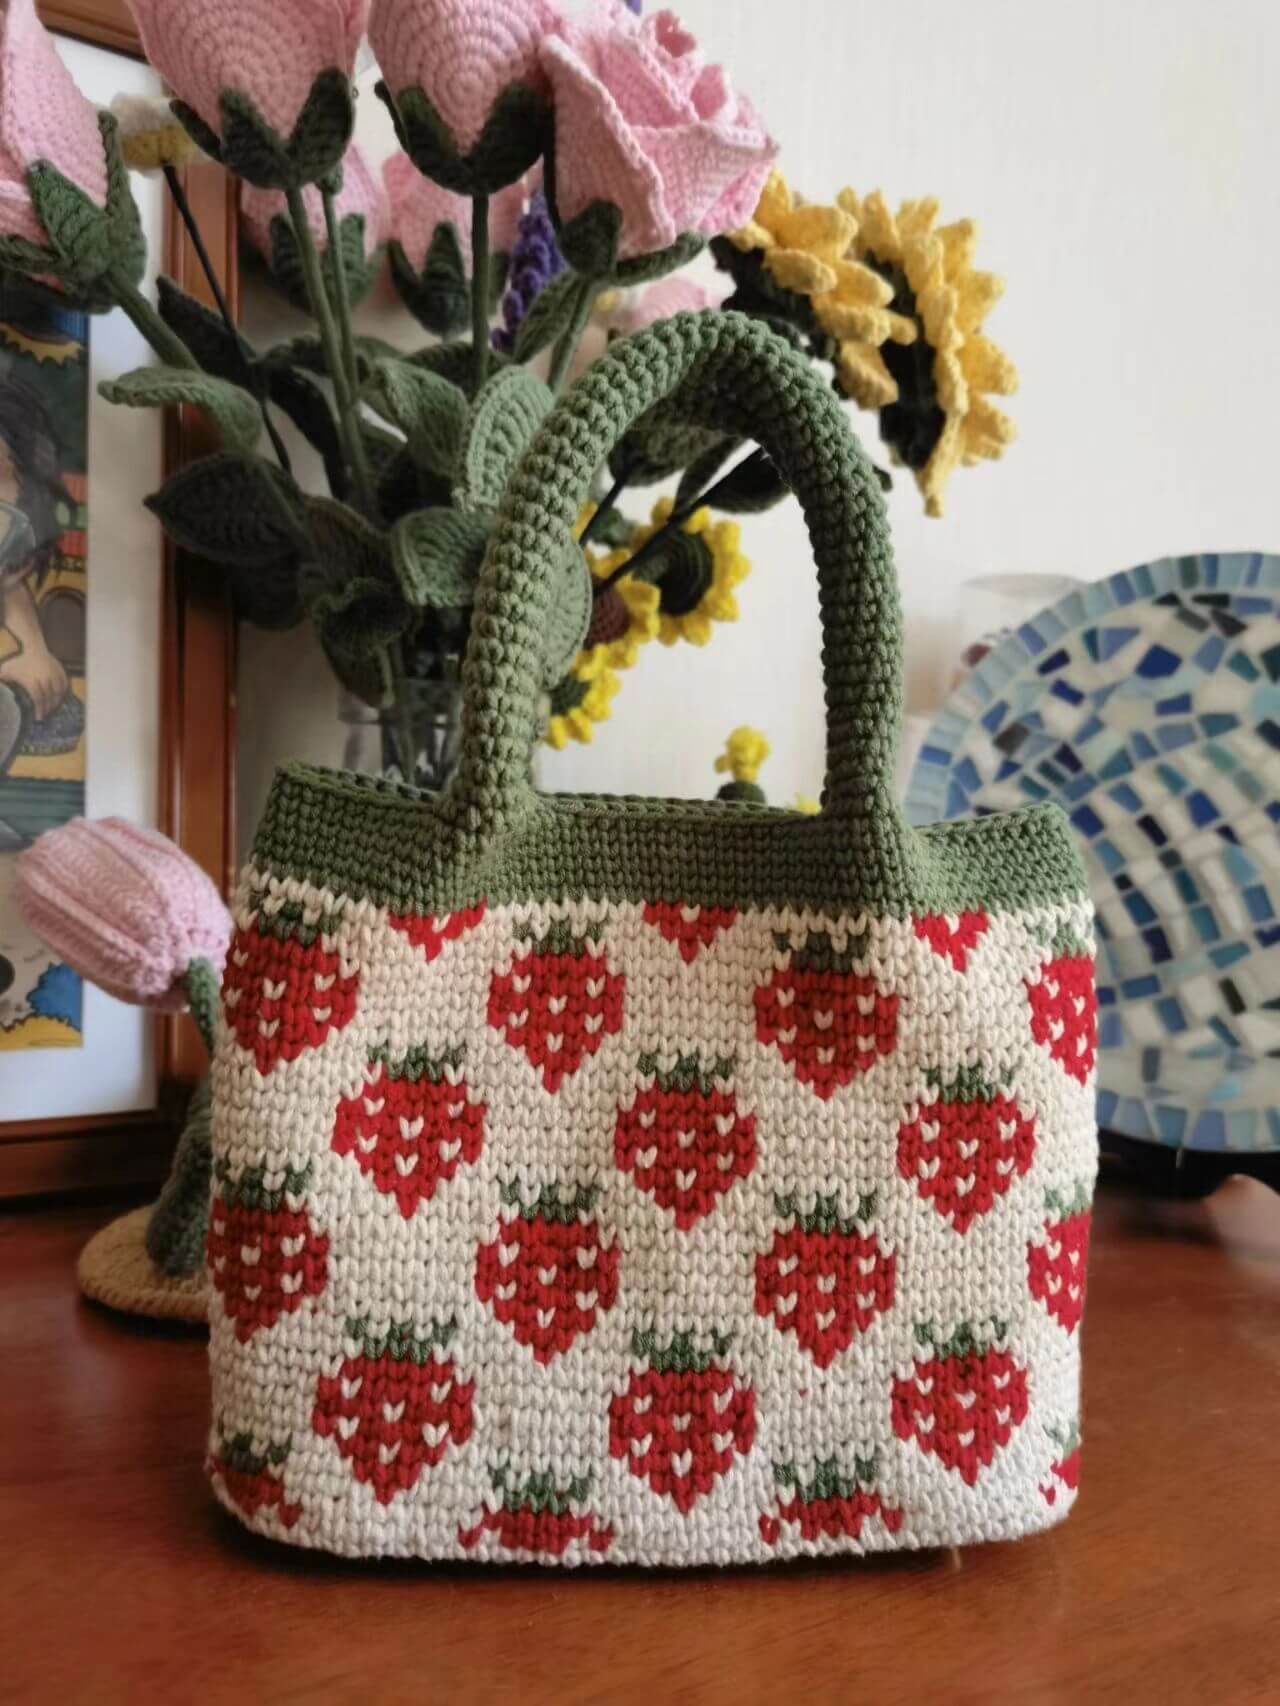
653	1182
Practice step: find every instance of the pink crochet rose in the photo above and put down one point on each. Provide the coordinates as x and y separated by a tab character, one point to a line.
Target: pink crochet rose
271	53
43	116
418	205
461	53
124	907
673	295
361	193
642	121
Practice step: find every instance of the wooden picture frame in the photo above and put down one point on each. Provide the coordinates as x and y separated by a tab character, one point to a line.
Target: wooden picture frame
197	718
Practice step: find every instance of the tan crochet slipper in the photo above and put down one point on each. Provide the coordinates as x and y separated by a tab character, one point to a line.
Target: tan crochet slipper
115	1269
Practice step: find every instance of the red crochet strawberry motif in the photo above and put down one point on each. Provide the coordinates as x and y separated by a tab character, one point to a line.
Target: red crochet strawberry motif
539	1518
824	1278
285	988
430	933
965	1147
952	938
395	1405
834	1505
1057	1261
251	1479
547	1275
558	1002
828	1021
963	1399
411	1125
691	928
1064	1008
683	1418
265	1257
1067	1467
683	1138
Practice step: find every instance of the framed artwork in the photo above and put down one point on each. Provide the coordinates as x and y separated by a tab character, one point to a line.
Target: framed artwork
116	671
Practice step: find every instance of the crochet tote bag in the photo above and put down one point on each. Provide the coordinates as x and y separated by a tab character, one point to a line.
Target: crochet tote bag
615	1180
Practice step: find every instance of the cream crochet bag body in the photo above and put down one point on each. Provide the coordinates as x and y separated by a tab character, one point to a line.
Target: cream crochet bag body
664	1183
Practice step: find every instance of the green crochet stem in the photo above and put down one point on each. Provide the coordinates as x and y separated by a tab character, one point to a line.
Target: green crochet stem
572	337
480	289
331	342
162	338
677	519
201	983
338	262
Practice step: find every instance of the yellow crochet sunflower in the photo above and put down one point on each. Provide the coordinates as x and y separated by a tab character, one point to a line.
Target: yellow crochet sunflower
696	589
808	248
583	699
744	753
933	395
624	616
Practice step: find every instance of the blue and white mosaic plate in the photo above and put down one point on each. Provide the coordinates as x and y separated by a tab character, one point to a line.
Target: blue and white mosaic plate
1148	707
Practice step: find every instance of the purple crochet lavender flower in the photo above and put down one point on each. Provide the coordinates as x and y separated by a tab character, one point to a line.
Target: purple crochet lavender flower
535	261
635	6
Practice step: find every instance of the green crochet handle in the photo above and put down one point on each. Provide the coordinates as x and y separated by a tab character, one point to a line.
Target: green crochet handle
730	373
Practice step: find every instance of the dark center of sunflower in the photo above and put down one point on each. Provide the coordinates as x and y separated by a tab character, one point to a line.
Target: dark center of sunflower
567	695
610	619
683	572
913	425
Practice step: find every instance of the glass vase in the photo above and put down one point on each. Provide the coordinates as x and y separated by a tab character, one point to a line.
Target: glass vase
426	717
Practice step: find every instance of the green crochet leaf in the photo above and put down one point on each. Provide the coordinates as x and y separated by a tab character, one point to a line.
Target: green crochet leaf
357	624
549	316
287	274
233	509
300	397
640	269
589	241
703	470
438	297
754	485
503	420
343	545
569	619
253	150
437	555
234	411
93	249
428	409
307	351
179	1222
205	333
203	135
454	361
664	441
514	136
77	228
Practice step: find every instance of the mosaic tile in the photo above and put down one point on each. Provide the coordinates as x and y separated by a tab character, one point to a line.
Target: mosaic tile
1148	706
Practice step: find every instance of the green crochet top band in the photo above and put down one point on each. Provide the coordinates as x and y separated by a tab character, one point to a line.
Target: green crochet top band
490	835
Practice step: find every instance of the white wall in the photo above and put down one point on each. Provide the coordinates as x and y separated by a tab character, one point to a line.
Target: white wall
1121	160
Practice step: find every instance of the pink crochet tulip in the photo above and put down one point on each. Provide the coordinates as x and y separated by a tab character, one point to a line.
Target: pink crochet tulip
360	193
418	206
43	116
461	53
673	295
271	52
124	907
643	122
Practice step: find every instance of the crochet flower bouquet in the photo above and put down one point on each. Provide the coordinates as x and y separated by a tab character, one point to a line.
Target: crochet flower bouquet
551	168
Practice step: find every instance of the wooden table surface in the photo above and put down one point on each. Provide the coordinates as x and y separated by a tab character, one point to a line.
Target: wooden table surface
119	1580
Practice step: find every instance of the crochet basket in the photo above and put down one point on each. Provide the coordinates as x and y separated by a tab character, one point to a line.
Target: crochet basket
616	1180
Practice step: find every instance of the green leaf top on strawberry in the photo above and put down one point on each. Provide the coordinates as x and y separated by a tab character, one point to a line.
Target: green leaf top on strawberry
963	1399
1066	1467
833	1505
548	1274
252	1479
825	1277
1064	1007
412	1124
1057	1260
265	1257
683	1137
684	1416
828	1020
559	1001
539	1517
965	1146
